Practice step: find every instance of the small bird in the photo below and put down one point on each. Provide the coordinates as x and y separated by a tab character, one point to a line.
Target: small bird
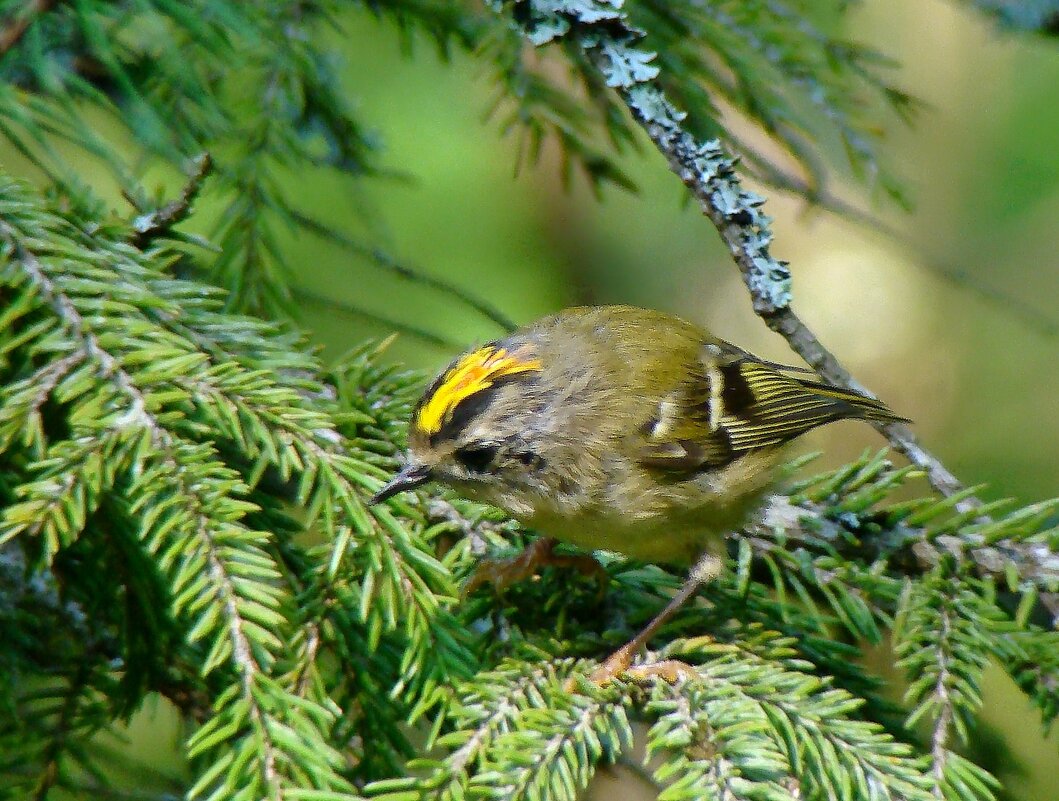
617	428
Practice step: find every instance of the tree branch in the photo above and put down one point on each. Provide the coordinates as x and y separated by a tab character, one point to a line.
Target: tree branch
149	226
908	550
109	368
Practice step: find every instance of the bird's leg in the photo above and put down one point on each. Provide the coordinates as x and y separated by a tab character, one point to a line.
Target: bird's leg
705	570
502	573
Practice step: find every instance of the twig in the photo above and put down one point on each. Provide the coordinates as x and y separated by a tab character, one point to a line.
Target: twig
602	32
148	227
407	328
12	33
383	261
939	734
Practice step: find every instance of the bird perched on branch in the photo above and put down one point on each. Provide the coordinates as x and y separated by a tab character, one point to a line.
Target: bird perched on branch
617	428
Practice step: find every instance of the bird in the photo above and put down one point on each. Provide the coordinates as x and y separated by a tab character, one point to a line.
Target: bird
617	428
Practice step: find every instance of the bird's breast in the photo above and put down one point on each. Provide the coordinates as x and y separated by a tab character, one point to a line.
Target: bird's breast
635	513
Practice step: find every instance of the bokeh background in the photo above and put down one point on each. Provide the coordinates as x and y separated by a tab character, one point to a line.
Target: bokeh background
953	320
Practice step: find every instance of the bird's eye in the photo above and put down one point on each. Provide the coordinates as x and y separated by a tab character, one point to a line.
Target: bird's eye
476	458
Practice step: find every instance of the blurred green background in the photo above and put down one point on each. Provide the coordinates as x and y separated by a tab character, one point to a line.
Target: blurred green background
976	368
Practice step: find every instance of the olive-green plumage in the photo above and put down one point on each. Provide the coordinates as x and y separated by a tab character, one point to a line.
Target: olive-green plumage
618	428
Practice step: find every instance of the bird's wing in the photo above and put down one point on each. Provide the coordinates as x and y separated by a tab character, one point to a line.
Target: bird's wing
733	403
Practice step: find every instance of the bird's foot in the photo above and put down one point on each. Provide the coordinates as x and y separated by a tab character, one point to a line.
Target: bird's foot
669	670
614	665
502	573
619	664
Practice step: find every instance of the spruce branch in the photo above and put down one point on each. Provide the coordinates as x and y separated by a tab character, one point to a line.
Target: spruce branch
135	416
1015	551
721	747
751	720
518	734
933	692
556	765
489	710
942	639
812	725
190	507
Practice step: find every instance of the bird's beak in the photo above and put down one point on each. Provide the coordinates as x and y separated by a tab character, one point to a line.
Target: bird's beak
412	476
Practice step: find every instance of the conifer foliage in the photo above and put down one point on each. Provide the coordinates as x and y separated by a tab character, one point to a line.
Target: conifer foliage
183	486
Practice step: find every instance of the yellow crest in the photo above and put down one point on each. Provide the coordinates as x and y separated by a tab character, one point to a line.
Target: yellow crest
472	373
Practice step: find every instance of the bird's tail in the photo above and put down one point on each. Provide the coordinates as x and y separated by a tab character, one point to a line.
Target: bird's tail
860	406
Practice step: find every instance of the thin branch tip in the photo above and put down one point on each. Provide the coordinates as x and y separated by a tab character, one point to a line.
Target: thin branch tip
158	223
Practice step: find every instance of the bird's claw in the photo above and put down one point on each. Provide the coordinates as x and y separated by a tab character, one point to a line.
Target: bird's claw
619	665
502	573
671	671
